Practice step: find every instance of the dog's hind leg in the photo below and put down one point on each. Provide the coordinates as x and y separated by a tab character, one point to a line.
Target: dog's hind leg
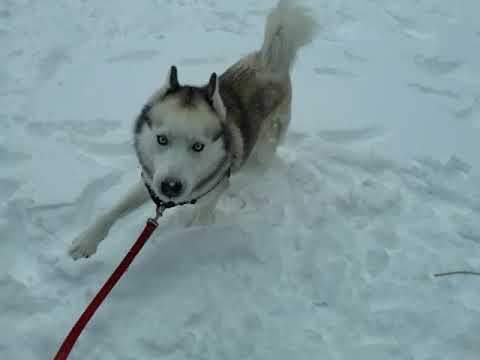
86	244
272	135
284	121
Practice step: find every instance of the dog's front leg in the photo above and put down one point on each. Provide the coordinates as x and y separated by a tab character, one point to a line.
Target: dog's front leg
86	244
203	211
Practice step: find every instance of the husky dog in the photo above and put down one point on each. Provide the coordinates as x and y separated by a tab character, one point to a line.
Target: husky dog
189	139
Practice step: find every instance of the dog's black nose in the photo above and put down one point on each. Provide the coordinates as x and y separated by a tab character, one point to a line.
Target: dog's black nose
171	187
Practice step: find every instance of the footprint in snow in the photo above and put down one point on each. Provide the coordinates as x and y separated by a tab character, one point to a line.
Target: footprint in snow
409	26
468	111
87	135
124	148
295	138
348	136
18	299
55	218
428	90
229	22
401	20
352	57
73	128
435	65
7	189
52	61
194	61
134	56
371	199
12	158
453	166
344	17
467	227
333	71
5	14
376	261
167	347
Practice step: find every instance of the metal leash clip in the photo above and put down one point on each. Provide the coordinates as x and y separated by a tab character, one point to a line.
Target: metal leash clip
158	214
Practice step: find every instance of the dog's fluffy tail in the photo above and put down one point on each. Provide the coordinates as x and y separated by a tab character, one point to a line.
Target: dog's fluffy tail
288	28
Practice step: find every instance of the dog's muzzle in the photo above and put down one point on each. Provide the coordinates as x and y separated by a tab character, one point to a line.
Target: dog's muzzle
171	187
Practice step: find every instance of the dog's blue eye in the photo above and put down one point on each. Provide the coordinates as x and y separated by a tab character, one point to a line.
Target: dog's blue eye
162	140
198	147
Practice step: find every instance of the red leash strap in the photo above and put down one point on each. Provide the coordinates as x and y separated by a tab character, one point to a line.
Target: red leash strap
74	333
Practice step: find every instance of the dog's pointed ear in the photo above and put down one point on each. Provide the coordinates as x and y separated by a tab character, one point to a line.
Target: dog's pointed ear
212	85
213	95
172	79
170	85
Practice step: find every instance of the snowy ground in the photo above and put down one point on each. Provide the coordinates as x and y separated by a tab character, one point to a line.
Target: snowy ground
328	255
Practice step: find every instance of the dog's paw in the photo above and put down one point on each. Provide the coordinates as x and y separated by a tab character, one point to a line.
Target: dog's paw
86	244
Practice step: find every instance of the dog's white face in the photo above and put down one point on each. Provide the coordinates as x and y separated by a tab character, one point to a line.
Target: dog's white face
179	139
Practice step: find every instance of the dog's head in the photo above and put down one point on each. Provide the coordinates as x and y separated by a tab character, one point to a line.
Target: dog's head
180	138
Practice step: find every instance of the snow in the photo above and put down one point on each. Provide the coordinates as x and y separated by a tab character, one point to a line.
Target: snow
330	254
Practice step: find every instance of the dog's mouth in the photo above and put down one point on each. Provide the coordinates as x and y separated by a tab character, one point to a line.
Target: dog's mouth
160	199
169	190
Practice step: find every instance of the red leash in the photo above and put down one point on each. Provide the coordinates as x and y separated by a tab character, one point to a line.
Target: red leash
74	333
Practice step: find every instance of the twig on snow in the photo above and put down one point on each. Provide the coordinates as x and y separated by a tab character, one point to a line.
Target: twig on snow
457	273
